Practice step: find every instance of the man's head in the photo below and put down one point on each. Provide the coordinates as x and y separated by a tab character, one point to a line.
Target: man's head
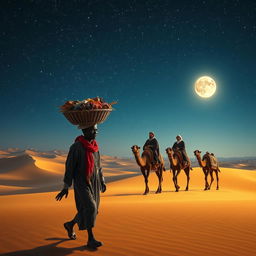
178	138
90	133
151	135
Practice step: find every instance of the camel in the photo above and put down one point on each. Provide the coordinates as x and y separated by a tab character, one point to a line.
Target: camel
176	166
145	163
208	168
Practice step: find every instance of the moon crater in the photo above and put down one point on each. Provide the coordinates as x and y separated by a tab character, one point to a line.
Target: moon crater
205	86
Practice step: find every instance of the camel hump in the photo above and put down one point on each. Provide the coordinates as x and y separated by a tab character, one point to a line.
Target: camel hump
212	160
148	152
183	164
178	154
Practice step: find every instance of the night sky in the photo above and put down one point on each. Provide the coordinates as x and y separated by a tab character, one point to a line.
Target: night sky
144	54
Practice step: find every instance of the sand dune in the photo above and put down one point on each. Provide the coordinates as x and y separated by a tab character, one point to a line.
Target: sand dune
43	171
23	168
3	153
192	223
11	152
21	171
11	188
242	164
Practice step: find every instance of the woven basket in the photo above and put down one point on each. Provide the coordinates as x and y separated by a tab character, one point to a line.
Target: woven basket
87	118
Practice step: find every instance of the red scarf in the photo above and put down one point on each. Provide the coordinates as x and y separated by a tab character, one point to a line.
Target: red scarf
89	160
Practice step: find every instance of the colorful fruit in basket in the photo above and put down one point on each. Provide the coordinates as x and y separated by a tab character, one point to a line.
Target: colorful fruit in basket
106	105
97	99
96	105
88	104
69	105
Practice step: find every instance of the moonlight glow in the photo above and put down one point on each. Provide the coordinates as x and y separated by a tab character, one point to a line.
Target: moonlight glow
205	86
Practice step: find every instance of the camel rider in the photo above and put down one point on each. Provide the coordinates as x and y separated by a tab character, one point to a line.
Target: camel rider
152	143
179	145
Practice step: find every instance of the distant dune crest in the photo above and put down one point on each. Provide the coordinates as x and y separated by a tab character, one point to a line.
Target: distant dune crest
29	171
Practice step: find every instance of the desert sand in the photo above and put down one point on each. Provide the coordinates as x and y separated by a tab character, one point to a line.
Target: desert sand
31	171
189	223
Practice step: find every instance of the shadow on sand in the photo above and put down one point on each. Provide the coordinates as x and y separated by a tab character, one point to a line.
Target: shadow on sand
49	249
153	193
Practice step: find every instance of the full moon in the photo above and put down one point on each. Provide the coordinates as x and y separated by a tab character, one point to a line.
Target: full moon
205	86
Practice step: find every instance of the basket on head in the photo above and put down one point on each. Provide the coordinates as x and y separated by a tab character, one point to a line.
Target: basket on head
87	118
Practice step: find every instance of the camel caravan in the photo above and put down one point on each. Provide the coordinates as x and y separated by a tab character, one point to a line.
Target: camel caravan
151	160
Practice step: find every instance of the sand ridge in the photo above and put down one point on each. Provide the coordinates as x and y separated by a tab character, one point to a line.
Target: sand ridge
43	171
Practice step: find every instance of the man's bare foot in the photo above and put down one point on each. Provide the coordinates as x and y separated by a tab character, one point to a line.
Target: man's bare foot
69	227
93	244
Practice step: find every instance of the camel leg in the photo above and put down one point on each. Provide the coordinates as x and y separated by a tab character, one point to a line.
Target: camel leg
145	175
188	178
161	179
176	177
206	180
217	177
212	179
159	174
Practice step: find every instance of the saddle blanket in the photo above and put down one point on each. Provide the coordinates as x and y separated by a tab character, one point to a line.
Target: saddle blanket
212	159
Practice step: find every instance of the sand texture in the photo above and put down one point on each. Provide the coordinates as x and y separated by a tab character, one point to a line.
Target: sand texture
189	223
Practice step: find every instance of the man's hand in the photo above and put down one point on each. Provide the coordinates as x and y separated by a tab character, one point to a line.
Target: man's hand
63	192
103	187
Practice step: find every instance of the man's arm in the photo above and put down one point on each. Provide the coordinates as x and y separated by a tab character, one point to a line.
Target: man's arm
70	165
101	176
154	144
146	144
182	145
174	146
102	181
69	172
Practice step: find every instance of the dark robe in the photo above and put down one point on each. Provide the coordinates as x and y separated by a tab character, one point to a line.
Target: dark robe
181	147
154	146
87	196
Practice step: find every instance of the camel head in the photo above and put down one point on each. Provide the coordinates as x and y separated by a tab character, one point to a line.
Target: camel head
169	151
197	152
135	149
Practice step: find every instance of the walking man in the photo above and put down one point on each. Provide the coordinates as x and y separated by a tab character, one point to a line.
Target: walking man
84	171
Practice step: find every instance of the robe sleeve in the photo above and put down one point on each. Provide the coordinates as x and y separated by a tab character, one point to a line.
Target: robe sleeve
146	144
182	145
71	164
156	144
101	176
102	179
